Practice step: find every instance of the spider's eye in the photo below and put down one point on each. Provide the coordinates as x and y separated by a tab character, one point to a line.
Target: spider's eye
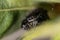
29	18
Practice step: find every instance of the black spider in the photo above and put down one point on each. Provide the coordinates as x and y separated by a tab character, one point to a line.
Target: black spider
34	18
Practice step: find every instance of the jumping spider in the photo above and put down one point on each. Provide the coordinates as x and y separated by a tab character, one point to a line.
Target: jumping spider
34	18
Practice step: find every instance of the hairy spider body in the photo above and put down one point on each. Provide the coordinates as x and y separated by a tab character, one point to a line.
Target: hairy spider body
34	18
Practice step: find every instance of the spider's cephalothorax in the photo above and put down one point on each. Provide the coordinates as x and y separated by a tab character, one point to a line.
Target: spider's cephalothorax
34	18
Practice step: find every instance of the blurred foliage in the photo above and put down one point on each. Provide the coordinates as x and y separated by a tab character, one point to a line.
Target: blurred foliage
14	3
5	21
